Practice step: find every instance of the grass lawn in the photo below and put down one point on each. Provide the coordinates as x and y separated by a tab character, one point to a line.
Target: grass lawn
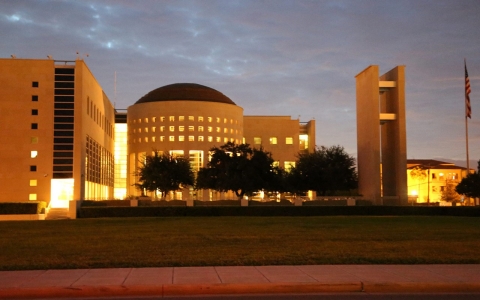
205	241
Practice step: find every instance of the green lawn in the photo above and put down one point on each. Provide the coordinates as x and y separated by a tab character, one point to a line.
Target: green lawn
204	241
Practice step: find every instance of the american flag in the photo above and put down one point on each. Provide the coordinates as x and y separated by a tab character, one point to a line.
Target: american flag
468	108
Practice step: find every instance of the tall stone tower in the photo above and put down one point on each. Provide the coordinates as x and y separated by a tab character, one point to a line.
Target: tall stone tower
381	136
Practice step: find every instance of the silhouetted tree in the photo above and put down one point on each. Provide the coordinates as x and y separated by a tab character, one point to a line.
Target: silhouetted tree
164	173
470	185
237	168
326	170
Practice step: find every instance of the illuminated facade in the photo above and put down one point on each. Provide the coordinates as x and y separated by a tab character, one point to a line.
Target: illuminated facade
428	179
59	125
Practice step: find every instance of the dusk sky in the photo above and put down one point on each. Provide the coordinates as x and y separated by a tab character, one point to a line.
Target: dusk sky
296	58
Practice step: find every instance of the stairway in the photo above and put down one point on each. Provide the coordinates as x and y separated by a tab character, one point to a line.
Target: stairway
57	214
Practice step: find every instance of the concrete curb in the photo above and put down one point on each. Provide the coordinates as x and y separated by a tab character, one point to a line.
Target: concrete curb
167	290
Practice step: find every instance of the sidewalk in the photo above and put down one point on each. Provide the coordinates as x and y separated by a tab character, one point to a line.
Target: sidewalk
238	280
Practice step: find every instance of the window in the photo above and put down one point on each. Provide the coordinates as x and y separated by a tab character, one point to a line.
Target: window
276	164
146	140
34	126
218	120
289	165
219	139
218	129
289	140
139	130
34	112
153	129
153	139
146	120
210	138
181	128
154	119
441	176
162	138
225	130
146	129
139	120
34	140
181	138
32	197
33	153
273	141
162	128
434	189
231	131
200	138
225	140
171	138
200	128
191	118
442	189
200	119
35	84
191	138
181	118
134	130
209	129
172	128
162	119
225	120
434	176
191	128
34	98
171	118
209	119
33	182
257	140
33	168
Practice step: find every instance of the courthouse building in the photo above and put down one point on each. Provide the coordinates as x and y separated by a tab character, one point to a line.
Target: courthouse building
65	141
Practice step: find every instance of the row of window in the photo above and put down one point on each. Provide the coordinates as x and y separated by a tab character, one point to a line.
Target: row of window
182	138
99	118
183	118
272	140
184	128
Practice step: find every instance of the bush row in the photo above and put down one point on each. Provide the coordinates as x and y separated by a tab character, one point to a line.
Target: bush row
264	211
22	208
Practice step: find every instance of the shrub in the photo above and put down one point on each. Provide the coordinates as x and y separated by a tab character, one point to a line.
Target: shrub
22	208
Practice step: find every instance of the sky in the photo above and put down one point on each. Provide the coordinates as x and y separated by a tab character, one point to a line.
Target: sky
295	58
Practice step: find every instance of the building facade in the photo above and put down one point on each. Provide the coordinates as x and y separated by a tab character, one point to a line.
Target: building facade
59	125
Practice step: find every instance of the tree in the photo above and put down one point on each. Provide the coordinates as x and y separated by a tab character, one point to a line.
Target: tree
164	173
470	185
237	168
449	194
326	170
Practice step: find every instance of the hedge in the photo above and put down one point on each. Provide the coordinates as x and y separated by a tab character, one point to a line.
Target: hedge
264	211
22	208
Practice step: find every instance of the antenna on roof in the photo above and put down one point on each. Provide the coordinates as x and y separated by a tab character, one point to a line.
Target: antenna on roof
13	56
49	56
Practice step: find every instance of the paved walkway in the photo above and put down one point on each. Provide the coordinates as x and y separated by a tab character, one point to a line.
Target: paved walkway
165	282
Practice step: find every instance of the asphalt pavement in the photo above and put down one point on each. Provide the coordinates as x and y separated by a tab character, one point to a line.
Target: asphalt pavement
224	280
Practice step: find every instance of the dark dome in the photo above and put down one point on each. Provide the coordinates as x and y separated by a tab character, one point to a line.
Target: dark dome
185	91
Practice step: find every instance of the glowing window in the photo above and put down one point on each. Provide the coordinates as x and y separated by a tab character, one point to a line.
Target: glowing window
146	129
162	128
225	120
231	131
273	141
171	118
191	128
200	119
218	120
33	182
191	138
225	140
209	129
276	164
191	118
154	129
140	130
162	119
139	121
32	197
146	140
162	138
146	120
134	121
257	140
171	138
154	119
219	139
181	118
181	138
181	128
200	138
33	153
210	138
225	130
289	140
289	165
218	129
200	128
231	121
153	139
134	130
172	128
303	141
209	119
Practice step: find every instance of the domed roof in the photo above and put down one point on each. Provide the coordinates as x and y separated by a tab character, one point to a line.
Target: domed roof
185	91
